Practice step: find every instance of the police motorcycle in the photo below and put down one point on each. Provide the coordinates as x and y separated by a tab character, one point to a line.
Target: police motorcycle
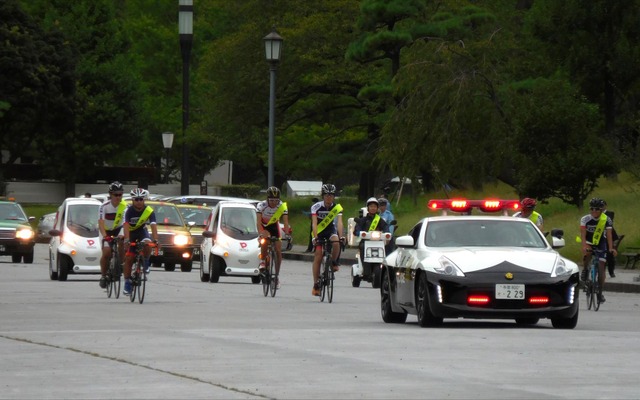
374	245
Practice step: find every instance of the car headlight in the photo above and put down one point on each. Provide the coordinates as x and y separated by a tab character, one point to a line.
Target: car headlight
180	240
560	269
24	234
447	267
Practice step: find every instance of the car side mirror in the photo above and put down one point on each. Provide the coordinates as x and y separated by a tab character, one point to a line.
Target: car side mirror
393	222
55	232
208	234
405	241
557	233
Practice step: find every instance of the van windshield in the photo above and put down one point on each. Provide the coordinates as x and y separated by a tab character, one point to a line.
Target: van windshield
239	223
82	219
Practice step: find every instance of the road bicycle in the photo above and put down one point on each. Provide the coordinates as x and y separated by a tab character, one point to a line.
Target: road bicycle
270	274
591	285
114	270
138	271
327	275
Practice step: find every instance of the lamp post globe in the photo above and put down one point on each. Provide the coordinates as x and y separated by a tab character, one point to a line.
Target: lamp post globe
167	143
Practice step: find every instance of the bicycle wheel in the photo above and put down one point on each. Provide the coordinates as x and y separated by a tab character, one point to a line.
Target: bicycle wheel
331	277
324	278
117	277
142	282
110	282
273	284
596	290
135	279
266	277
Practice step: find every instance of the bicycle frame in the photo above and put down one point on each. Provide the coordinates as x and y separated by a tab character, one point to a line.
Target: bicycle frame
138	273
114	269
270	274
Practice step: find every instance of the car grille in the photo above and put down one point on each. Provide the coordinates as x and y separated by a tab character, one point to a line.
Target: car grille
7	233
197	240
165	239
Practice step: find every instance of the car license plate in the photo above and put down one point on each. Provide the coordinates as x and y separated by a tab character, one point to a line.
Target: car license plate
196	251
160	252
509	292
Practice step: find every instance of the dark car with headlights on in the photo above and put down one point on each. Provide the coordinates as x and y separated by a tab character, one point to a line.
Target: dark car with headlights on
479	267
176	244
17	237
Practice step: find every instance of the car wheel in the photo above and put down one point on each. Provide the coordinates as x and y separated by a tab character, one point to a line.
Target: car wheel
27	258
565	323
53	274
425	317
169	267
388	315
214	269
62	264
16	258
355	279
186	267
527	321
255	280
204	276
375	276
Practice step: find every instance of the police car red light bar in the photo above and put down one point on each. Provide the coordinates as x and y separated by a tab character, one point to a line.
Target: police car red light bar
463	205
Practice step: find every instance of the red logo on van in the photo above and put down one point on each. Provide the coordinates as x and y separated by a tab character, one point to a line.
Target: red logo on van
91	242
243	245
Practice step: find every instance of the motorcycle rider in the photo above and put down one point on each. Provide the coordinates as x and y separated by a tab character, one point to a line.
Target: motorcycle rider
370	222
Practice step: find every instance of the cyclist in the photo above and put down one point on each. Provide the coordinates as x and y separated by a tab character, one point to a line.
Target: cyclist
528	206
110	220
326	223
137	216
594	227
270	212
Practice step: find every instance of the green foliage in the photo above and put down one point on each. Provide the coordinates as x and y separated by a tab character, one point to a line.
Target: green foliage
246	191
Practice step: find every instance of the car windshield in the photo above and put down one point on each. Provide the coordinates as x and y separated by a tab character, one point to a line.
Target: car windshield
12	212
82	219
167	215
483	233
239	223
198	215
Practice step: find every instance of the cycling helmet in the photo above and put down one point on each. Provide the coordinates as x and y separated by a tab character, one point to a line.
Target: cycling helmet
372	200
597	202
273	193
139	192
528	202
382	201
116	187
328	188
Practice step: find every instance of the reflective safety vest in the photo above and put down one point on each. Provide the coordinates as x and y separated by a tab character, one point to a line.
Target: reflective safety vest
374	223
337	209
276	217
143	219
534	217
597	234
122	207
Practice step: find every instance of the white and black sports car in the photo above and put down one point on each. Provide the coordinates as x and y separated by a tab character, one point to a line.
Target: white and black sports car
489	267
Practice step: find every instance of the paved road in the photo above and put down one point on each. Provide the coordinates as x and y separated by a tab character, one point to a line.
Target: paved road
206	341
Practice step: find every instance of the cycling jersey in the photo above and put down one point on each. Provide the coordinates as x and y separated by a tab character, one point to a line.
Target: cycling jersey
267	213
321	212
132	217
109	214
590	223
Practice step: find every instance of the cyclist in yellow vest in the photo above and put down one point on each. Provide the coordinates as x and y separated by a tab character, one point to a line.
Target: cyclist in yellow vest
110	220
596	234
326	223
270	212
528	205
136	218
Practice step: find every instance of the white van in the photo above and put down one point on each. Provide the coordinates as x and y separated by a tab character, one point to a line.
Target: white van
230	246
75	245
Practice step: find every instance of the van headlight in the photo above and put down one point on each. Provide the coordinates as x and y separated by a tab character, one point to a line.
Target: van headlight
180	240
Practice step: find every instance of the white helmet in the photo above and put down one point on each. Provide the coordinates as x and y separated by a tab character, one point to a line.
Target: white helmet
139	192
372	200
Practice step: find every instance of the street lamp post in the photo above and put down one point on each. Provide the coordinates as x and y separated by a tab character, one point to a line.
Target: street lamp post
167	142
273	48
185	24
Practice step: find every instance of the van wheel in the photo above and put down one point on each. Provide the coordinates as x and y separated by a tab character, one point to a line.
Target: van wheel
63	267
204	276
53	274
214	269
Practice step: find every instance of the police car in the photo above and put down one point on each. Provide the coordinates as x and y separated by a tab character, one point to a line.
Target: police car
479	266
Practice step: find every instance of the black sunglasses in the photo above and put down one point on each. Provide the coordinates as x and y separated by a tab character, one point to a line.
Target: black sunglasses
116	194
596	209
138	198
